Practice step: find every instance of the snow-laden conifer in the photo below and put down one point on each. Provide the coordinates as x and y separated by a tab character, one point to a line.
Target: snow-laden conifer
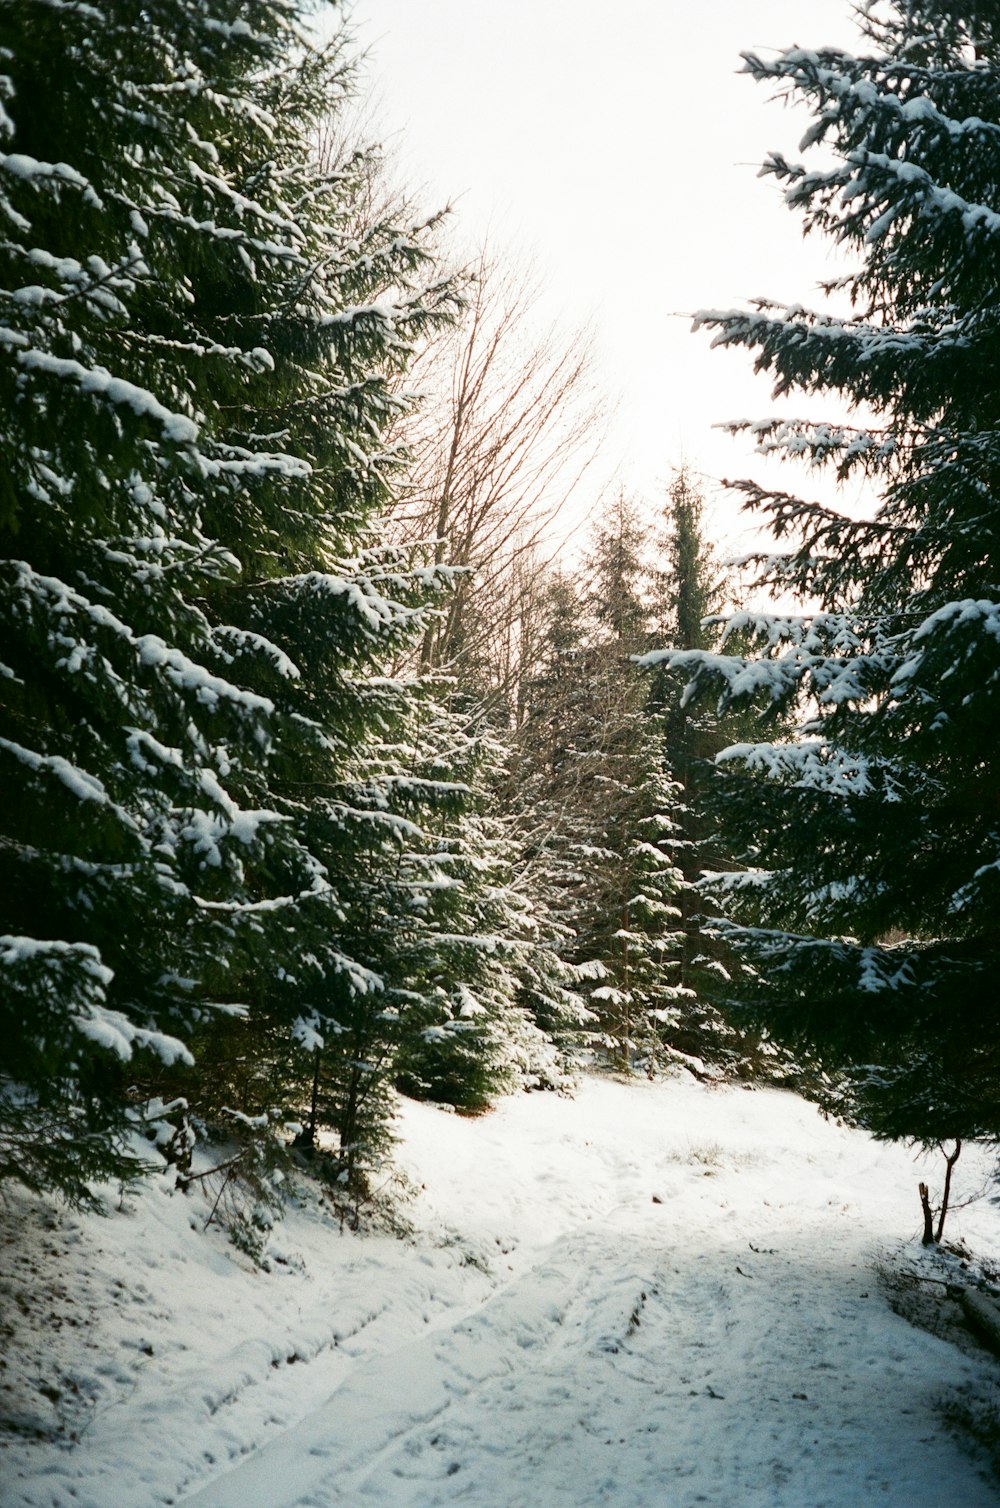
200	355
866	910
593	800
689	587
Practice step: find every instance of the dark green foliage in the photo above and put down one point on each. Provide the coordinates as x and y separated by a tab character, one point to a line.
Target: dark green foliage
866	917
203	348
594	806
112	710
468	938
690	589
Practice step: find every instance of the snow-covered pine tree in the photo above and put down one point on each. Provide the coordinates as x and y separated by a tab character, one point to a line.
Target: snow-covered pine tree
543	790
687	591
539	795
593	797
432	912
867	915
689	588
629	920
199	364
469	935
112	720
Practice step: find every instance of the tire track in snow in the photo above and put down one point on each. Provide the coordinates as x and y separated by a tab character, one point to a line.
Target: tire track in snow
579	1321
618	1371
709	1398
393	1400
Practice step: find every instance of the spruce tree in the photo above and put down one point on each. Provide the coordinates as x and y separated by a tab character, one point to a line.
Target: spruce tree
202	357
471	940
125	752
594	799
629	916
866	913
689	592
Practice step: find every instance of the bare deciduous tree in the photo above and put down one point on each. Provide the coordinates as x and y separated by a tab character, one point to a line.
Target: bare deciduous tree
509	429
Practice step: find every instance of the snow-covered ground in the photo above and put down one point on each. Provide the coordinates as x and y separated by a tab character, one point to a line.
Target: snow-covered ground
650	1296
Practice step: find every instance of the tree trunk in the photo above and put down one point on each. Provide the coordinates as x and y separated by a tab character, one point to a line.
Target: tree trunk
925	1205
950	1163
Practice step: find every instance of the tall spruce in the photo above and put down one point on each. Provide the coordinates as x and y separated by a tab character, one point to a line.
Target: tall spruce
594	799
866	915
689	590
202	356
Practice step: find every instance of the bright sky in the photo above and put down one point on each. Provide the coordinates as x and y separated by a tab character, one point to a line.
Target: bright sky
615	149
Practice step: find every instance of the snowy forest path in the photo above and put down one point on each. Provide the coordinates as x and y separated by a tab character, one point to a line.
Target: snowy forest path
683	1339
647	1296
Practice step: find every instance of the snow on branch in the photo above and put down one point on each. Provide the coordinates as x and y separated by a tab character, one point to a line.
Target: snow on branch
31	170
811	764
819	443
177	428
117	1034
